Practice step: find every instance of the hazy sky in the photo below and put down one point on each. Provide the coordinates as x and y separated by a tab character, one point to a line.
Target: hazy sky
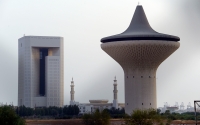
83	23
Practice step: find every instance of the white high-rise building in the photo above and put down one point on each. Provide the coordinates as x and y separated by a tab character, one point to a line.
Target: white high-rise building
40	71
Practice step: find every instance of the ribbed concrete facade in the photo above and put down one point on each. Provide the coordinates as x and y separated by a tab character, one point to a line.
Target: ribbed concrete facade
140	60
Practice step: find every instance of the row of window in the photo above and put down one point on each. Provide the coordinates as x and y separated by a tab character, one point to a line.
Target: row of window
44	37
53	69
54	62
83	107
53	65
57	75
54	72
53	59
142	77
53	103
142	103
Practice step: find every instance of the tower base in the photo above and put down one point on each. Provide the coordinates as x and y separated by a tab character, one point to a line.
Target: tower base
140	60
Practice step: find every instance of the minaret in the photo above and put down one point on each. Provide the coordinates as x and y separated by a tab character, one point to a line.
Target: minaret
140	50
72	102
115	101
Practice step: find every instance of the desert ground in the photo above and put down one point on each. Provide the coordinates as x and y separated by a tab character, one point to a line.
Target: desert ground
79	122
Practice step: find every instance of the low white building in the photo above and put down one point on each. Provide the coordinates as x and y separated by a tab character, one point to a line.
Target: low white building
96	104
176	108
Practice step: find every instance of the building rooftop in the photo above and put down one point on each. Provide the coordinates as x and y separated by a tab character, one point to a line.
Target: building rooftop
41	37
139	29
99	101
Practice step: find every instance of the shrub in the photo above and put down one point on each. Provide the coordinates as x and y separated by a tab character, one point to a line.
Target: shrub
9	117
97	118
144	117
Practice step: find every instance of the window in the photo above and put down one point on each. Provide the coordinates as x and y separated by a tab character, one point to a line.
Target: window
141	76
40	55
149	76
142	103
127	103
133	76
150	103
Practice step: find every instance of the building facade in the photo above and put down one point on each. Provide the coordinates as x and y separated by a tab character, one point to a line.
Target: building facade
97	104
40	71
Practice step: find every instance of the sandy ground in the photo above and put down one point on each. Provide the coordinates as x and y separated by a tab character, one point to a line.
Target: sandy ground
66	122
79	122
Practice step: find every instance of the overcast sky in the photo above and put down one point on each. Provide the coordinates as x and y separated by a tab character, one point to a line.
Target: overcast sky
83	23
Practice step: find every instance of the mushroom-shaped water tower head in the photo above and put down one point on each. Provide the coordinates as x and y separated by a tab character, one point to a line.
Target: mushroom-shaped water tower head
140	50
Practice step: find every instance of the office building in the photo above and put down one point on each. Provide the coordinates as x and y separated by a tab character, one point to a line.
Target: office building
40	71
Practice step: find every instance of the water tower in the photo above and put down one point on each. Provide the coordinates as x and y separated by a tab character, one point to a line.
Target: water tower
140	50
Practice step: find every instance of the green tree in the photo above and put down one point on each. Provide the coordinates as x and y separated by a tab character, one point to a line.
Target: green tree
97	118
144	117
167	112
71	110
116	113
158	111
9	117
